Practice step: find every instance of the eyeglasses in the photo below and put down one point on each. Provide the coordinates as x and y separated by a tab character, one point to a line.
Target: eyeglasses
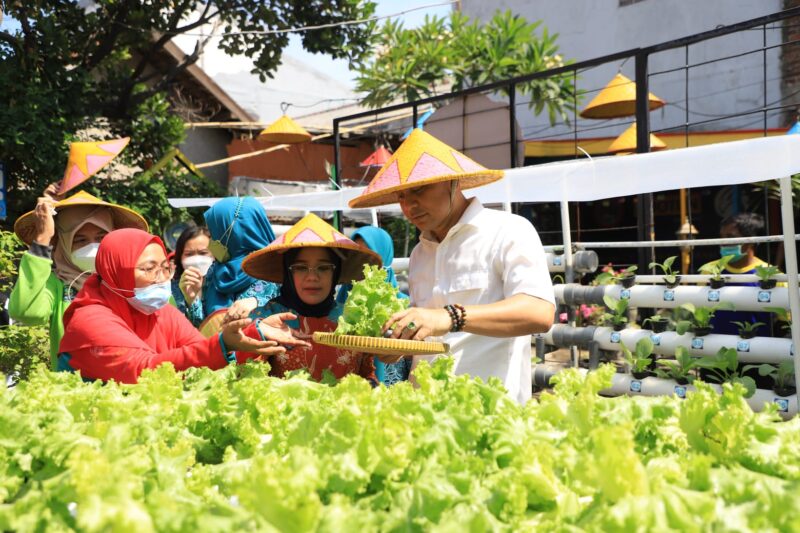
325	269
152	272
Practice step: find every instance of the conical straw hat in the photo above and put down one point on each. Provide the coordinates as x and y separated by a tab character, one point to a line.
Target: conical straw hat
627	142
378	158
284	131
618	99
25	226
87	158
422	159
311	231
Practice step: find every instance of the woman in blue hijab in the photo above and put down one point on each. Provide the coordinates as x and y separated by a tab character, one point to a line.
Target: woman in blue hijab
380	242
238	226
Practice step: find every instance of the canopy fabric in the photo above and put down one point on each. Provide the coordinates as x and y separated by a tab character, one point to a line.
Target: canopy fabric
587	180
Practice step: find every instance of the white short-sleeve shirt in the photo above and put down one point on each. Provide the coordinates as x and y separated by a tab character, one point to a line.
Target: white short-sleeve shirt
486	256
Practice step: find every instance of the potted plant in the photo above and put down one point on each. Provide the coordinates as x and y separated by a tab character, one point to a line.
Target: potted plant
680	369
671	278
748	330
618	315
626	277
657	323
782	376
784	318
640	359
715	269
764	274
724	367
700	319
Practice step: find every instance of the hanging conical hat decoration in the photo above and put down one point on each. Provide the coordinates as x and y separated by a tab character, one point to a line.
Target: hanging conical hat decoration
311	231
378	158
87	158
618	99
626	143
422	159
25	226
284	131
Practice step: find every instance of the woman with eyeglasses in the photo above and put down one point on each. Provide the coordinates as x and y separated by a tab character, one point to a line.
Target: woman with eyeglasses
309	261
120	323
192	262
238	226
63	236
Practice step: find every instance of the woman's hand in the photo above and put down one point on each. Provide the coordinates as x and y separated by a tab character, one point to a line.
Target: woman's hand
236	340
45	223
240	309
418	323
191	284
275	328
52	191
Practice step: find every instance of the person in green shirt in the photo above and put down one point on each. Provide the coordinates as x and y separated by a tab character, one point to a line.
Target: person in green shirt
63	237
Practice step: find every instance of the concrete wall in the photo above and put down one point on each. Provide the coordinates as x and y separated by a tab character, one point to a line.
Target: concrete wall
208	144
591	28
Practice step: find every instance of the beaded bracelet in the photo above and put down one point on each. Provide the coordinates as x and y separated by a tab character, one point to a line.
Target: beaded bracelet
453	316
462	319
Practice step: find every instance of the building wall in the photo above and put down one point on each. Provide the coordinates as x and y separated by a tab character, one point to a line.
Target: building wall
592	28
299	162
208	144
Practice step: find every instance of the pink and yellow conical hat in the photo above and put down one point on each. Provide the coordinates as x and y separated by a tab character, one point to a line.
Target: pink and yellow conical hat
88	158
422	159
311	231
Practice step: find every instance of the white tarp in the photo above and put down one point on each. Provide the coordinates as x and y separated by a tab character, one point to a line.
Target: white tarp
594	179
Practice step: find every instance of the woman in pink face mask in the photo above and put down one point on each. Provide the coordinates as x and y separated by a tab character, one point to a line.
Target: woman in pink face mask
192	261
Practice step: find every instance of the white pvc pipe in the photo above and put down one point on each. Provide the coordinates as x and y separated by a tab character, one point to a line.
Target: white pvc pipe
569	273
790	251
682	242
626	384
556	263
742	298
756	350
694	279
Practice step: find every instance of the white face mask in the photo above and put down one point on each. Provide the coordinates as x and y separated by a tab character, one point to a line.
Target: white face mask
200	262
84	257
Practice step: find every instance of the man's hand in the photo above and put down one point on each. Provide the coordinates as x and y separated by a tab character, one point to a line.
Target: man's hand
191	284
275	328
418	323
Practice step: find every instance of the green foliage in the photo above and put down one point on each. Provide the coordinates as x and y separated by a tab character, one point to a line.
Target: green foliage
642	356
670	276
700	316
716	268
680	368
23	348
11	249
609	276
618	315
782	374
412	64
766	272
241	451
723	367
68	68
747	327
369	304
784	317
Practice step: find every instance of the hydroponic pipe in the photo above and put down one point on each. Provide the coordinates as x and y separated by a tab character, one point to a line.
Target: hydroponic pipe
583	262
626	384
790	249
703	279
659	296
756	350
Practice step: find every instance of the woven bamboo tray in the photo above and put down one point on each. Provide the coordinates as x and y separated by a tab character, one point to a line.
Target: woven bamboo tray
380	345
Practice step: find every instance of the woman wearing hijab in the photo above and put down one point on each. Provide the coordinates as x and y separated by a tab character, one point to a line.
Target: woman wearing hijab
61	255
238	226
308	261
380	242
192	261
128	296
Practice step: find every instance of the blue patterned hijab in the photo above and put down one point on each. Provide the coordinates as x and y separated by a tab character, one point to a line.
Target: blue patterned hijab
250	231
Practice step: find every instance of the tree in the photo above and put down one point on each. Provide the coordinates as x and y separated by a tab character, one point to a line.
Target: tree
459	53
72	65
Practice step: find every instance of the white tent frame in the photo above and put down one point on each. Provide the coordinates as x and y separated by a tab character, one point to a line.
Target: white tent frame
584	180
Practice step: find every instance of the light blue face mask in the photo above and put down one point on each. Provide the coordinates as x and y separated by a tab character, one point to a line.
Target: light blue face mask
735	250
150	299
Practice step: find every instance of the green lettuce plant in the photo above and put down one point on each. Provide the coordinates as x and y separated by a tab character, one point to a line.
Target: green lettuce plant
369	304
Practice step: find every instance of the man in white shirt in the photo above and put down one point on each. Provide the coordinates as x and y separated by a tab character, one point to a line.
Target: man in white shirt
478	277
